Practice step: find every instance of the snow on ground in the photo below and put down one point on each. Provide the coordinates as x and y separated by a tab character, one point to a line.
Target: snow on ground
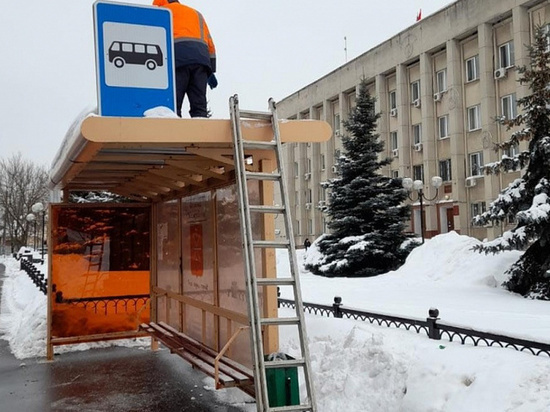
359	367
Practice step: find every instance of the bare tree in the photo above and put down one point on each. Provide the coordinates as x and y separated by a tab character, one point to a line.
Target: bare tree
22	184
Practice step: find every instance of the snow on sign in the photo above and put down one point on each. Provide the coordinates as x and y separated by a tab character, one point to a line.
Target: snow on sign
134	58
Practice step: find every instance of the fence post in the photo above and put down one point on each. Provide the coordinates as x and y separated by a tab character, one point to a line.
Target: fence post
433	330
336	307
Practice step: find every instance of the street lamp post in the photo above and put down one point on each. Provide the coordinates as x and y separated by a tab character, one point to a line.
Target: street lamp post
417	186
39	209
32	218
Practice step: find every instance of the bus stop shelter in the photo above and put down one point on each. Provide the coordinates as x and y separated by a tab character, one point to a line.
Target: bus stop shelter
167	261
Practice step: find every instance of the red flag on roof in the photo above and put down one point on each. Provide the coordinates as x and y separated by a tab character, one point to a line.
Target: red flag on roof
419	15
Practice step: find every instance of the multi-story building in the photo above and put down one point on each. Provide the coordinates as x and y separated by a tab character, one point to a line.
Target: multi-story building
440	86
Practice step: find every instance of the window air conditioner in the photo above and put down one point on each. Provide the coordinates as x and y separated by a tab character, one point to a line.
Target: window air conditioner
334	169
418	147
416	103
321	204
307	176
308	206
437	97
393	112
471	181
395	152
500	73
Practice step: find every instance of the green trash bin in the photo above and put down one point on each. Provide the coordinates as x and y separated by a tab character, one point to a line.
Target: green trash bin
282	383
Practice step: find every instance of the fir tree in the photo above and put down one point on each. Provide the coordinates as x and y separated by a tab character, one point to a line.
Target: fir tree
526	199
365	208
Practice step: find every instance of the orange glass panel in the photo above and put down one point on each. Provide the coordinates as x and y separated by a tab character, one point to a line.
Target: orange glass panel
168	261
198	262
100	269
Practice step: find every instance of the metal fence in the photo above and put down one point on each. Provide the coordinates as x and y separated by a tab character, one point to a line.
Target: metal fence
431	327
108	304
37	277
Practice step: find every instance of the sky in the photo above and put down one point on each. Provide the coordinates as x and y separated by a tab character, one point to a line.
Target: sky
359	367
264	49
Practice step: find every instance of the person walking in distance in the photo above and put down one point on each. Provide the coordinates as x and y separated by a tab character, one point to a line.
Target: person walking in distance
307	244
195	56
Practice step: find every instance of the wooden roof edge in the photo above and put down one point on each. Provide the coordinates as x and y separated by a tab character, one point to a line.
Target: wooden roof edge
162	130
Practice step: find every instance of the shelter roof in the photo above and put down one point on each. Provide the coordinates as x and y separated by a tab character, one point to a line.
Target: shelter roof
152	159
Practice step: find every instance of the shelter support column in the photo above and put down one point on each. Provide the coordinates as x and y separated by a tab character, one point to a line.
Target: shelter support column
271	333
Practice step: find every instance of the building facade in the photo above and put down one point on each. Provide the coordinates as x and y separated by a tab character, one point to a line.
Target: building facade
440	85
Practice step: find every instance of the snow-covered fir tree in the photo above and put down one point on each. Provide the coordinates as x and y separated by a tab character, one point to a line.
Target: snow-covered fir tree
526	199
365	208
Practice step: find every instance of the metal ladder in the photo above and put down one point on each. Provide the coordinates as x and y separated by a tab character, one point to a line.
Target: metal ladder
250	244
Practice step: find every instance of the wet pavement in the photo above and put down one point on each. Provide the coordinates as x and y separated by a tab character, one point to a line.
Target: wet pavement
116	379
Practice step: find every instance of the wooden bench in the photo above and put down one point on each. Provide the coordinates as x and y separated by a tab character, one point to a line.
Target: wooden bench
226	372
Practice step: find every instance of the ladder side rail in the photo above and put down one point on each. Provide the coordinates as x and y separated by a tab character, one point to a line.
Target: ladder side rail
292	257
248	254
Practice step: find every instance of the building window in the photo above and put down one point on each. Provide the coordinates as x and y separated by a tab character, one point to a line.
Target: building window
310	226
476	162
325	226
546	29
506	55
441	80
472	68
297	228
322	193
336	123
477	208
352	98
308	196
474	118
512	151
417	133
393	100
443	126
322	162
296	198
445	170
509	106
395	174
418	172
296	169
309	166
393	140
415	91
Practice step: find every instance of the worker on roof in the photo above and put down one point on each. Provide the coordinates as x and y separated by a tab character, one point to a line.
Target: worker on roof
195	56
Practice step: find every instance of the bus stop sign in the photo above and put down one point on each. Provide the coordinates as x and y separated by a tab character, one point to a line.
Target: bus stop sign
134	58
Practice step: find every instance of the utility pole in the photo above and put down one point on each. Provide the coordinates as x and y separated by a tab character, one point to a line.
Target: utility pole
346	48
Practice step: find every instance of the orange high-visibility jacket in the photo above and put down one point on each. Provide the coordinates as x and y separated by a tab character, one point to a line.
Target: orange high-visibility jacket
192	41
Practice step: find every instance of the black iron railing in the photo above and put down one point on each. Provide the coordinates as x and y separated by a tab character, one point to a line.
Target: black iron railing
107	304
37	277
431	326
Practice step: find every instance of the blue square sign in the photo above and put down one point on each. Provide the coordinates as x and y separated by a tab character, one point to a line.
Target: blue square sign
134	58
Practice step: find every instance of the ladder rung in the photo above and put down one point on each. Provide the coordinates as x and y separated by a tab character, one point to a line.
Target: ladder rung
271	244
277	364
263	176
266	209
291	408
249	114
280	321
275	281
248	144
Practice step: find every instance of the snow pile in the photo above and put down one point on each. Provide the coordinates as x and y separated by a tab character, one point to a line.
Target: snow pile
161	111
22	313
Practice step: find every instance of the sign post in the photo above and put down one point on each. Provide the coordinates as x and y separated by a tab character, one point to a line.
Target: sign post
134	58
